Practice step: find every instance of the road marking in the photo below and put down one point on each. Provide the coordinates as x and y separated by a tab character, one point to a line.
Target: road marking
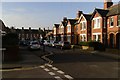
51	73
49	65
68	76
58	78
42	66
46	69
61	72
54	68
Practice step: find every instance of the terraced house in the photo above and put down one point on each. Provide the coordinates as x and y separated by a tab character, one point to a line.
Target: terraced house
98	27
84	27
113	26
63	30
56	32
102	25
71	30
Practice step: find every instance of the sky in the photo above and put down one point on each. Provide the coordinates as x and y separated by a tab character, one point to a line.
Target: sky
42	14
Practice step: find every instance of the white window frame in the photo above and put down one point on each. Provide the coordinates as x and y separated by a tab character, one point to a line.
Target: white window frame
83	22
68	28
96	24
83	35
96	34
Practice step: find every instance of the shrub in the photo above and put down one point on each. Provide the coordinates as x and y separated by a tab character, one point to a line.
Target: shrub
84	43
96	45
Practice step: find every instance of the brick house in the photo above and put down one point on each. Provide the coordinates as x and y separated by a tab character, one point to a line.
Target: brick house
84	27
71	30
63	30
98	26
56	32
29	34
113	26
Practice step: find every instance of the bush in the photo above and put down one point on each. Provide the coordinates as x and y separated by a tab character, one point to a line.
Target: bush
84	43
96	45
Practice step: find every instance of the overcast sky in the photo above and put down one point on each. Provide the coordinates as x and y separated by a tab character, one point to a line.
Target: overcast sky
42	14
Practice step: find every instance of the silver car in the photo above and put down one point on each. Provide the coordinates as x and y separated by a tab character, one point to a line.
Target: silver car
34	45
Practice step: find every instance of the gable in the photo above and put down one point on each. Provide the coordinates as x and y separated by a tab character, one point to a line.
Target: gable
82	18
96	15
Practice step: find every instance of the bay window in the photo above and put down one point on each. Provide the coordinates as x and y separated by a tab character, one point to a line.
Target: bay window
83	25
96	22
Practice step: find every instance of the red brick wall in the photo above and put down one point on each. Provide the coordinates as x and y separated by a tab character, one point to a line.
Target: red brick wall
97	30
114	30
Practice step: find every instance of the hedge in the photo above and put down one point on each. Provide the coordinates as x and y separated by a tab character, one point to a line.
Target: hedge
97	45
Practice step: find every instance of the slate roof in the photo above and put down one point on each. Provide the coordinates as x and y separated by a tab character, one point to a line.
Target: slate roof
72	21
87	16
114	10
101	12
56	25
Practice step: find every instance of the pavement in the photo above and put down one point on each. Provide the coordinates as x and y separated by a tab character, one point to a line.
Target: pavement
26	60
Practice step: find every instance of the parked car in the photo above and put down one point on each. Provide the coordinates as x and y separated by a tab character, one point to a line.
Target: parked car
23	43
55	43
46	42
34	45
64	45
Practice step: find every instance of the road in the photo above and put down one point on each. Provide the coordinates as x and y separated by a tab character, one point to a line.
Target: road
84	65
67	65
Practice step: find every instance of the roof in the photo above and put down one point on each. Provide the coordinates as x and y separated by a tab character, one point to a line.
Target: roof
72	21
56	25
87	16
114	10
101	12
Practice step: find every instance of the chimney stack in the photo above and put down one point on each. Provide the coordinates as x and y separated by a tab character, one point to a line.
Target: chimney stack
107	4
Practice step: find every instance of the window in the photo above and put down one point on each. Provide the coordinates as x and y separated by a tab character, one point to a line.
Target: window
96	22
96	37
69	29
118	20
83	37
111	21
83	25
